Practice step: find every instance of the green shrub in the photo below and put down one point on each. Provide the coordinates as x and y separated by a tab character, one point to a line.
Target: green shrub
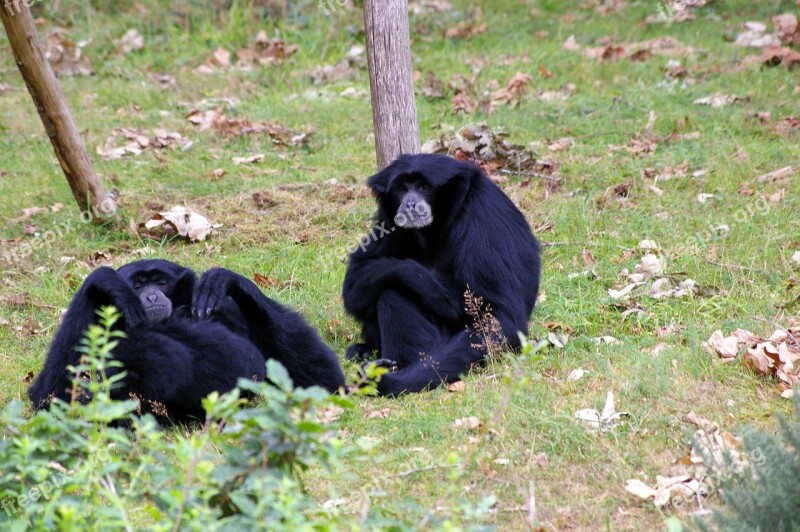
766	495
98	466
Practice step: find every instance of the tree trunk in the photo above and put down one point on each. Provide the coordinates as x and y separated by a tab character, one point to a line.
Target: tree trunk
394	109
52	107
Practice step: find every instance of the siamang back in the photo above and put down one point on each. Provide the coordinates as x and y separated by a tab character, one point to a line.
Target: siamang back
443	230
184	338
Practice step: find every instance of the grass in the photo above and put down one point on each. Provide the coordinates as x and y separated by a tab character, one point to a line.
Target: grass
530	440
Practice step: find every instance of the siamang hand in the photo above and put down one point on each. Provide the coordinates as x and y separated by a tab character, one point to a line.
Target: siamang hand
212	289
358	352
106	287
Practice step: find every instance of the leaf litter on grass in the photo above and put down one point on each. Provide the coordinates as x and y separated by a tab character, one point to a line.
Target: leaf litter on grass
777	356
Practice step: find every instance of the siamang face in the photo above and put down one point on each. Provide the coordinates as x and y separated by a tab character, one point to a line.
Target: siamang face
413	196
156	282
152	288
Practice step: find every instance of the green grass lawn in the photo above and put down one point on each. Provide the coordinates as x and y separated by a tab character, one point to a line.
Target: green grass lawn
530	443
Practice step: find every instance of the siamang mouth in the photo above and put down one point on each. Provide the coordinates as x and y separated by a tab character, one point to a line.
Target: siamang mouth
158	313
413	220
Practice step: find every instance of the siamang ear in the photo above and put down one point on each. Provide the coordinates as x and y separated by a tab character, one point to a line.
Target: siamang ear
380	182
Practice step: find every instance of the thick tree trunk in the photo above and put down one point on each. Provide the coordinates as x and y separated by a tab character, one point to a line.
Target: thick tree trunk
55	115
394	109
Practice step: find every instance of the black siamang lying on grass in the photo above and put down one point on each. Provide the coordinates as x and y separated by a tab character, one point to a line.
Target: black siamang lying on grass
185	338
444	230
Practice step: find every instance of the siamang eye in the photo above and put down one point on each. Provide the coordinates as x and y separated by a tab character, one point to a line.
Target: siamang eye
423	186
402	188
161	282
136	285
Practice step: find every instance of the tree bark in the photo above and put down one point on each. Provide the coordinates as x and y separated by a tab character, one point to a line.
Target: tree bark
52	107
394	109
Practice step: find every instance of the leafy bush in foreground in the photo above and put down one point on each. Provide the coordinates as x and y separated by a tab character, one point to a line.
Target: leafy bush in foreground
766	496
78	467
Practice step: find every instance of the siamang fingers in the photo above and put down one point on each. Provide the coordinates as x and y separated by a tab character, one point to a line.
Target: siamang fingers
358	352
210	292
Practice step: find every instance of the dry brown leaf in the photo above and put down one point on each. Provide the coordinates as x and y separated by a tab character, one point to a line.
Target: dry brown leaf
463	103
725	347
136	141
383	413
65	56
468	423
457	387
787	28
131	41
489	150
183	221
250	159
755	36
718	100
512	93
777	55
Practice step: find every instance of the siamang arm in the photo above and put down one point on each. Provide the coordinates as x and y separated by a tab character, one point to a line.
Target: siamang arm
278	332
102	287
369	274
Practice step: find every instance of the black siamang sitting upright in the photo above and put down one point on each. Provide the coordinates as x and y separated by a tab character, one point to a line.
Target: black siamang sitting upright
185	338
442	228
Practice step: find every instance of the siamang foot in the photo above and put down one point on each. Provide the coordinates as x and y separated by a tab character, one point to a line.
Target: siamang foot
387	363
358	352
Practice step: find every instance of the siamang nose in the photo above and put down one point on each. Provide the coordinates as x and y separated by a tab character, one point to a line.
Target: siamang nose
152	297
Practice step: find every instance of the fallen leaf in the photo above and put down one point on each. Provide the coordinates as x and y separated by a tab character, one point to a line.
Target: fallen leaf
725	347
250	159
618	294
128	141
512	93
185	222
576	374
65	57
607	340
650	266
131	41
718	100
777	55
703	197
639	488
604	421
468	423
383	413
755	36
457	387
787	28
329	414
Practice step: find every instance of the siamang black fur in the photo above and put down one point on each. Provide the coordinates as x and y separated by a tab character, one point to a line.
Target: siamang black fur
443	228
185	338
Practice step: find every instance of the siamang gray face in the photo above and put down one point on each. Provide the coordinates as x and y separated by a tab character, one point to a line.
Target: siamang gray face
152	288
414	198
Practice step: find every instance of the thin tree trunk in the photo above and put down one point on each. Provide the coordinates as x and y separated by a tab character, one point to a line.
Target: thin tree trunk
394	109
53	110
